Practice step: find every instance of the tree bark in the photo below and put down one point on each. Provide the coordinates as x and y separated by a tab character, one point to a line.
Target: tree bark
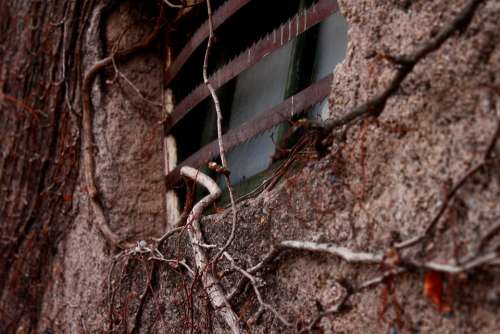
46	47
40	65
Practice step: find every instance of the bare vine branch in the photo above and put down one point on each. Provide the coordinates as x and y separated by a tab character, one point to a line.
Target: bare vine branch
88	145
256	283
185	3
210	283
222	152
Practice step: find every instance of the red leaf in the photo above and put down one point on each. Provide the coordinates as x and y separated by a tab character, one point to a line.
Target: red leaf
433	290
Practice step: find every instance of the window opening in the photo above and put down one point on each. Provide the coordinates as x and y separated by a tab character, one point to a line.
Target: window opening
257	89
290	69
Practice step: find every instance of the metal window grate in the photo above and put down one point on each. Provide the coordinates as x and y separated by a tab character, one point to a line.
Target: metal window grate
313	94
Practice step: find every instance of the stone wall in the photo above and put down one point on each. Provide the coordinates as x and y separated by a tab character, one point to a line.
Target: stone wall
386	180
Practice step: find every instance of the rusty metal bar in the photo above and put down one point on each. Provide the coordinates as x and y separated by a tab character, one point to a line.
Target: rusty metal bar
286	32
262	122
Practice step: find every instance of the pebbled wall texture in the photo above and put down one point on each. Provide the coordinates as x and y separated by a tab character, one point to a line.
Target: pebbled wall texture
387	179
383	180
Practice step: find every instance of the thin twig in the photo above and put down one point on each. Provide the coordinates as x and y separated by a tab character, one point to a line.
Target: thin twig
175	263
142	297
380	279
222	152
273	253
485	241
331	310
454	190
256	282
133	86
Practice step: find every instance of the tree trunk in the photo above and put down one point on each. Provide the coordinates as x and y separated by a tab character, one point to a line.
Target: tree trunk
46	47
39	95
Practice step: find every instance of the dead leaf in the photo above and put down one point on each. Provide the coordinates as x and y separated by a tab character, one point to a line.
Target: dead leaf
433	290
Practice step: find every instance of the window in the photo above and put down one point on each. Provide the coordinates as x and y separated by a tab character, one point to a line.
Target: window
310	44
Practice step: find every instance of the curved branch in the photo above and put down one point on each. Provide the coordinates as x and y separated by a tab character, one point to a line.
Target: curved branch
210	283
88	145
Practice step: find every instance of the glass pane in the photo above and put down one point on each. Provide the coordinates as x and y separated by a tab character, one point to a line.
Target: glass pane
263	86
257	89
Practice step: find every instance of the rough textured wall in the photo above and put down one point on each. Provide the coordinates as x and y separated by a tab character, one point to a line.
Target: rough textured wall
387	179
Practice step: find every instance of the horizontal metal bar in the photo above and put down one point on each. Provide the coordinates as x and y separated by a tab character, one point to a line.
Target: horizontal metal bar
263	121
273	41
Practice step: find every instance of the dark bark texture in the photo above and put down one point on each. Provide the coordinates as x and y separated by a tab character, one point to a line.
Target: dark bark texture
46	47
40	44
